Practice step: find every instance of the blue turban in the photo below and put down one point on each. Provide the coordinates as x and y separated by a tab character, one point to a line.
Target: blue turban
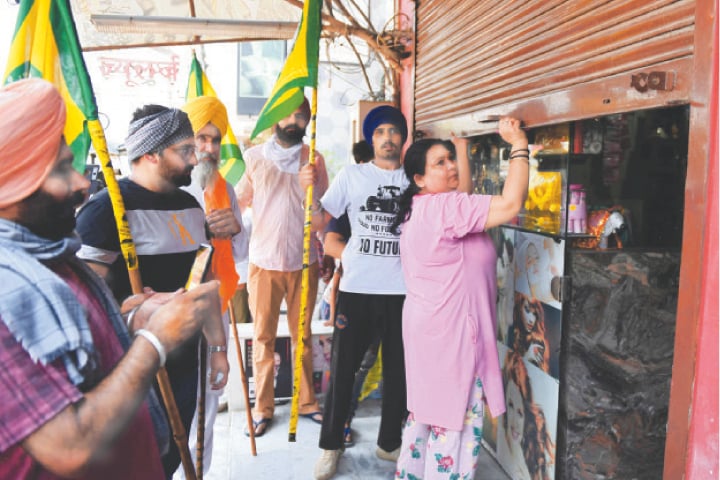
384	114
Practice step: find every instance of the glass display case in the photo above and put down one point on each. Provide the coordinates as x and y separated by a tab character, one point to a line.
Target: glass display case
581	272
544	209
633	164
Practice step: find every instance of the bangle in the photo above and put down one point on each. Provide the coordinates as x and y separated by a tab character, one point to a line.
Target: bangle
315	207
217	348
526	150
150	337
131	316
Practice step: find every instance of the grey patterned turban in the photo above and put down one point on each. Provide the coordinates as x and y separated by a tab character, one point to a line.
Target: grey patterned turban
156	132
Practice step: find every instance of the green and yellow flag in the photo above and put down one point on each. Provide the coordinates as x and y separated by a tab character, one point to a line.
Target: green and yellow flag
300	70
45	45
232	165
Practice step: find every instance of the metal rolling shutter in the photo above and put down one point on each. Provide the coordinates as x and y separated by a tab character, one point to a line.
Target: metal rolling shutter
473	55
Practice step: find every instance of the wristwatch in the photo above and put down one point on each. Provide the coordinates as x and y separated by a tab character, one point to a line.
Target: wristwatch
217	348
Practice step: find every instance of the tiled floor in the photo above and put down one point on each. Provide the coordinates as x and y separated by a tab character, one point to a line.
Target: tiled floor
278	459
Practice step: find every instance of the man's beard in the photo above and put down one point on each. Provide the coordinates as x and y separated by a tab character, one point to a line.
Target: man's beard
205	170
179	179
290	134
49	218
182	179
394	154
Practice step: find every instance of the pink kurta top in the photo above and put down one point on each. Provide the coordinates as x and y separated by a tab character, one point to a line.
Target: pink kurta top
449	266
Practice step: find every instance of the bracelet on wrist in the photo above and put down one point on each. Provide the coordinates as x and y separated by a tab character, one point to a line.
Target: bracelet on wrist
131	316
526	150
216	348
150	337
313	205
316	207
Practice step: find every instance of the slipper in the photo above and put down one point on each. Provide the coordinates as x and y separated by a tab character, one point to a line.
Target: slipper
260	427
348	439
314	416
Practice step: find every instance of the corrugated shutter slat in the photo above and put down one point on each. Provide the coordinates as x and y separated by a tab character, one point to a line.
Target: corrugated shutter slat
474	55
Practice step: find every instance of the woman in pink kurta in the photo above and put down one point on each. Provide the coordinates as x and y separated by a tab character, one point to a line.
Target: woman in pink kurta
449	263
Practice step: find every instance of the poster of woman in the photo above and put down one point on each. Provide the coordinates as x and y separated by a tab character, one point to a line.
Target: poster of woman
539	264
526	433
535	333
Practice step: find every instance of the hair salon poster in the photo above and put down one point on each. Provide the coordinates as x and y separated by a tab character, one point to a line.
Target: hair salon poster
529	269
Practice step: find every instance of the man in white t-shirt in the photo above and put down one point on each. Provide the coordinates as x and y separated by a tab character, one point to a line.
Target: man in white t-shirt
372	289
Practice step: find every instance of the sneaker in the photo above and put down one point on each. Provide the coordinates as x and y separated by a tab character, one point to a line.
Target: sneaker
389	456
326	465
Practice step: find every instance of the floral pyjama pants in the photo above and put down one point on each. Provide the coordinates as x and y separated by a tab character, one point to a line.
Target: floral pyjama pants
429	452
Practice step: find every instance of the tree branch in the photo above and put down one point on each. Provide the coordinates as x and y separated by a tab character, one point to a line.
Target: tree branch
335	26
362	66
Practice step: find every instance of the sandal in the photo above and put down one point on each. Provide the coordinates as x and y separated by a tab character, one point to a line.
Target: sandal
260	427
348	439
314	416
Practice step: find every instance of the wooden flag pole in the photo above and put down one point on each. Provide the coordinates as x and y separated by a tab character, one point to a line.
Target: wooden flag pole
200	443
127	245
243	379
305	285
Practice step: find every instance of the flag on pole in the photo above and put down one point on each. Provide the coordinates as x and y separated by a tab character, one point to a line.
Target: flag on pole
232	165
45	45
300	70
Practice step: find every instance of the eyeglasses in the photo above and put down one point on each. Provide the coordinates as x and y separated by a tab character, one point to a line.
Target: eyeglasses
185	151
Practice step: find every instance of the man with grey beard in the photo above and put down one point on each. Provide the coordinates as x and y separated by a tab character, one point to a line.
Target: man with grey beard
209	120
208	117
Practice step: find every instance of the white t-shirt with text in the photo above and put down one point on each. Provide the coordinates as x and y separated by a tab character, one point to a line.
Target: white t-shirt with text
371	259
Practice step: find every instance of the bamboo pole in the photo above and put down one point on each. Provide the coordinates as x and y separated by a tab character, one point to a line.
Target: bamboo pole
305	285
200	443
127	246
243	379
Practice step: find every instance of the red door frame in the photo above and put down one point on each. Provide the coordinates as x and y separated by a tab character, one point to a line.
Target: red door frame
702	452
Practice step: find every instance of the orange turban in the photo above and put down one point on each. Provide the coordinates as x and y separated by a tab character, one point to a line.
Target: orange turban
31	129
204	110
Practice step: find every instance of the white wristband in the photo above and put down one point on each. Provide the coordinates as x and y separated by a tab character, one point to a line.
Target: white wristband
150	337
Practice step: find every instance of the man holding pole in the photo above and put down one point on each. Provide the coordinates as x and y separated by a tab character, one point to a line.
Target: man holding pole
74	387
209	120
168	226
271	186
